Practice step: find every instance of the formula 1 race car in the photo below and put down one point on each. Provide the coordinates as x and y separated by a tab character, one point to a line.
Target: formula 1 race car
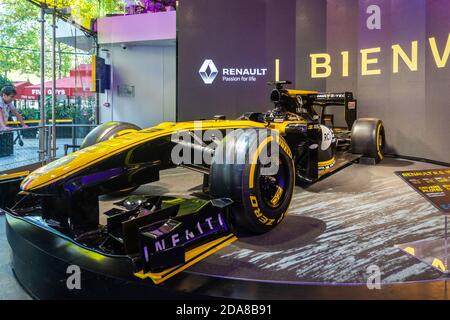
250	168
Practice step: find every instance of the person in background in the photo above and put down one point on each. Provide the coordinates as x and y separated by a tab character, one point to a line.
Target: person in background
8	94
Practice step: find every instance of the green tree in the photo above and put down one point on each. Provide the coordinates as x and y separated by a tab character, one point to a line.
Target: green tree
84	11
20	34
20	41
4	82
19	30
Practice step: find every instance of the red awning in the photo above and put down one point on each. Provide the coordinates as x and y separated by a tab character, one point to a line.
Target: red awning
77	84
20	88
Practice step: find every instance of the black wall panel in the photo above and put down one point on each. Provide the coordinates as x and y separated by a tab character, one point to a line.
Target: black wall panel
234	34
415	105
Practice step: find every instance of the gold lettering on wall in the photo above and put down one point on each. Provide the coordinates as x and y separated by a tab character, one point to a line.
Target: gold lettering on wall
345	63
441	62
398	52
324	65
365	61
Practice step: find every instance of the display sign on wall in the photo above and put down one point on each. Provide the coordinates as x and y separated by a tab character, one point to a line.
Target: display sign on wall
433	185
125	90
208	72
227	52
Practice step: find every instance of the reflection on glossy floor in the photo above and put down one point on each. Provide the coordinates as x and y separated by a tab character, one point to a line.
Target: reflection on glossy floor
366	210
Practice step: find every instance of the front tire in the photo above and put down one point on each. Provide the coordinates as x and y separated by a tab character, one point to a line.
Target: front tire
262	196
108	131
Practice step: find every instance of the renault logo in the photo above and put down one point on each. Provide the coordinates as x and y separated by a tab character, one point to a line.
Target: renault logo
208	71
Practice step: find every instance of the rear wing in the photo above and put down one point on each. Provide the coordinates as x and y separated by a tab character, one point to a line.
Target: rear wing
338	99
321	99
329	98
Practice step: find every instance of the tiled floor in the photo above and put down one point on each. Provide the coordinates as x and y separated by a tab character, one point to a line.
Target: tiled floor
10	289
28	153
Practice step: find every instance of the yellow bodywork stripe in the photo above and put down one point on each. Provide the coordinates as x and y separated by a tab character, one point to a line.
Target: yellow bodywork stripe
117	145
14	175
301	92
327	163
191	257
124	132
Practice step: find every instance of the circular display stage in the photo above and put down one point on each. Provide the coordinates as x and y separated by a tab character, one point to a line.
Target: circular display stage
336	233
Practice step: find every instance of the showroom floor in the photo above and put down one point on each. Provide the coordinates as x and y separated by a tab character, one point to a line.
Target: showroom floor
10	288
28	153
335	230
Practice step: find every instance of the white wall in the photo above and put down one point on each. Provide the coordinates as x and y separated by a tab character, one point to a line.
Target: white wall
152	70
137	28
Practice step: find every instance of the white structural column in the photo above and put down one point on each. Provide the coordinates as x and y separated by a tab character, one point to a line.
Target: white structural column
42	94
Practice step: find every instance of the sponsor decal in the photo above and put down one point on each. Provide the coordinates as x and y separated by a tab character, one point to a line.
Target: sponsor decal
186	235
209	72
258	213
327	138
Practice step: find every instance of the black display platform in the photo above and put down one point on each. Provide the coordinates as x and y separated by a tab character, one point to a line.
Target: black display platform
41	259
335	229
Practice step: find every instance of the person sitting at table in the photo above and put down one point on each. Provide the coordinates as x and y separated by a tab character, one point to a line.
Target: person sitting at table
8	94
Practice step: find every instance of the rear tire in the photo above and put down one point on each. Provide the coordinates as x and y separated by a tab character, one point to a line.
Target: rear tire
261	201
369	139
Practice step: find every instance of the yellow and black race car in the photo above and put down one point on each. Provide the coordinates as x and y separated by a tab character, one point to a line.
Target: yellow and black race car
250	167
